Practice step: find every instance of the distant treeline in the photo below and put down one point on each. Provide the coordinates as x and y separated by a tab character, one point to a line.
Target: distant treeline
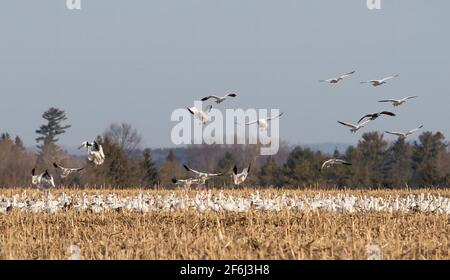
376	163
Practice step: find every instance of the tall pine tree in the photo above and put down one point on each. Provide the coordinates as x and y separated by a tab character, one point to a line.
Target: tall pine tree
269	173
397	165
149	170
47	139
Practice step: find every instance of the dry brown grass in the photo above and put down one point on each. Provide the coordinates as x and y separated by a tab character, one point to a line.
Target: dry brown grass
209	235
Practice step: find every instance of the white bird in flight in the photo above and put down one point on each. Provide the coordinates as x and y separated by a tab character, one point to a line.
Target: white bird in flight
202	116
66	171
334	161
338	79
203	176
373	116
403	135
219	99
95	152
239	178
186	183
376	83
263	123
43	181
398	102
355	127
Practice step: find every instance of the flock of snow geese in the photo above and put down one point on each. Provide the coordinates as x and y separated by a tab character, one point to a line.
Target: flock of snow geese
364	120
221	202
44	181
202	116
95	153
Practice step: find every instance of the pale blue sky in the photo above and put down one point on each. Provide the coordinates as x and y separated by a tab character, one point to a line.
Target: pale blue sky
136	61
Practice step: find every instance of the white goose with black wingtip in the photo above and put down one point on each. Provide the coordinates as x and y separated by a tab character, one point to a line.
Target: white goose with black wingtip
263	123
355	127
338	79
219	99
377	83
239	178
95	152
334	161
404	135
66	171
200	115
43	181
398	102
374	116
186	183
203	176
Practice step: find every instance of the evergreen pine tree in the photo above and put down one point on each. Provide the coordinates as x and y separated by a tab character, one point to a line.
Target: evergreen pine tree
150	172
47	139
425	159
269	173
19	143
397	165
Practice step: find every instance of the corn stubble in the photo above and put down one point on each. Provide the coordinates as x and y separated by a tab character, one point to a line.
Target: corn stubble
224	235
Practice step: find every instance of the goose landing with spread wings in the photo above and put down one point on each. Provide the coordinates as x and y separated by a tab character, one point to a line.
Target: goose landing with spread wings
95	152
43	181
66	171
334	161
239	178
203	176
200	115
186	183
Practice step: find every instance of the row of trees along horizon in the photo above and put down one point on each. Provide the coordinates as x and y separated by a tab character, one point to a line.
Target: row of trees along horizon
376	163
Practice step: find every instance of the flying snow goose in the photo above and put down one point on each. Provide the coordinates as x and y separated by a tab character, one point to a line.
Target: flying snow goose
376	115
219	99
43	181
95	152
239	178
376	83
202	175
403	135
355	127
66	171
398	102
186	183
263	123
338	79
202	116
334	161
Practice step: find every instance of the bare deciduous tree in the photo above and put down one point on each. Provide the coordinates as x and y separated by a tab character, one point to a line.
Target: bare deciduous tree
125	136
